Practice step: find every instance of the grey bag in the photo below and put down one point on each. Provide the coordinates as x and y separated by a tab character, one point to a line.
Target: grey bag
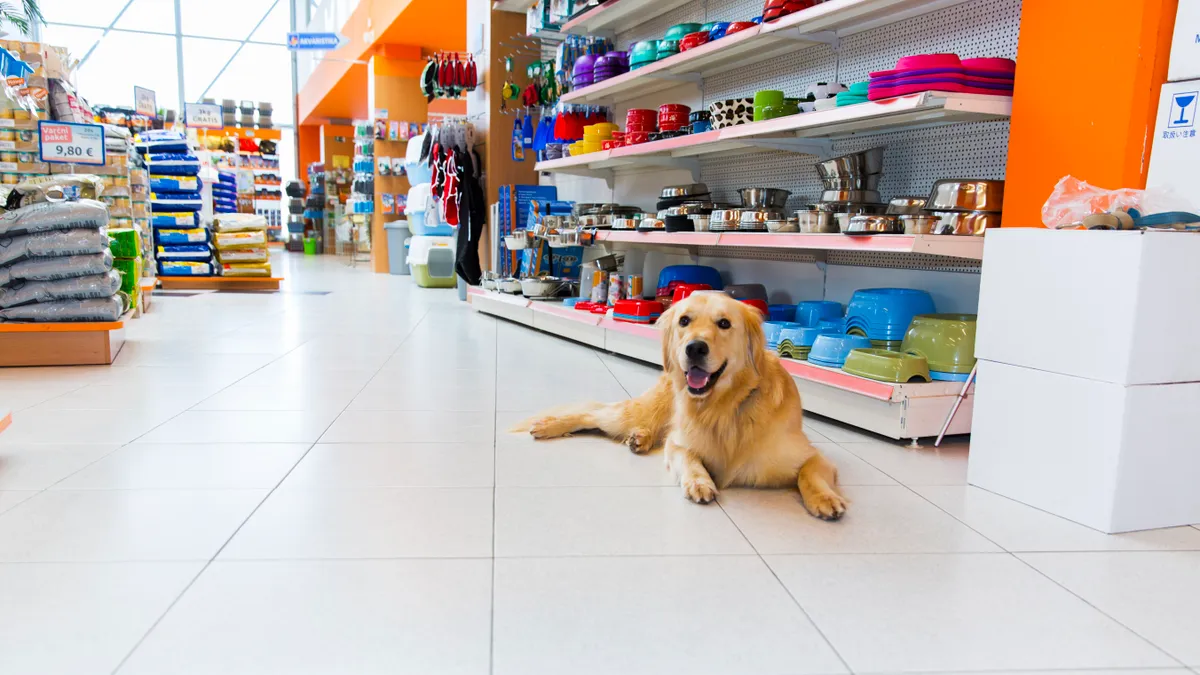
49	269
93	309
52	244
96	286
46	216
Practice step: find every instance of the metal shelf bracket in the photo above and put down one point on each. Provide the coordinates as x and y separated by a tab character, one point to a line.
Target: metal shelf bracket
821	147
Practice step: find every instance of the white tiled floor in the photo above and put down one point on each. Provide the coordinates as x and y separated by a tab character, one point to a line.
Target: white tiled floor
319	483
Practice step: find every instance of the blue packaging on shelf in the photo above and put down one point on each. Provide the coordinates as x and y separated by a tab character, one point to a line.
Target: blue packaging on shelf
565	261
184	252
175	219
174	183
184	268
173	164
164	236
175	201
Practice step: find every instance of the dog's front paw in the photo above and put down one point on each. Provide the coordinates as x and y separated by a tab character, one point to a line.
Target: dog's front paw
699	490
639	442
826	505
547	427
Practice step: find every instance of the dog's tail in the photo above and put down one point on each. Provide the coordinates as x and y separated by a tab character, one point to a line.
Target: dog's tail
569	410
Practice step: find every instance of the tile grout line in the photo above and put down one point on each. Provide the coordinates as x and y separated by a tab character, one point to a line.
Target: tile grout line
250	515
495	476
787	590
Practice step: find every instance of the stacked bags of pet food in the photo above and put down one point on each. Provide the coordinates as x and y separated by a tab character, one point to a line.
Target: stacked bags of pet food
241	242
225	193
55	263
181	245
125	244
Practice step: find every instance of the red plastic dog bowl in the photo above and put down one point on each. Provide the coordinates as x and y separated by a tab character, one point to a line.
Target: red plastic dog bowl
760	304
637	311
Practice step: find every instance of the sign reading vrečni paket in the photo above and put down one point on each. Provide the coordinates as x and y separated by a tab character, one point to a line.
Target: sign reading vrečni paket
70	143
315	41
203	116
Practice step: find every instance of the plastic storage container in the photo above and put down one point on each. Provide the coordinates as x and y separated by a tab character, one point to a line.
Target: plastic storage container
432	261
397	243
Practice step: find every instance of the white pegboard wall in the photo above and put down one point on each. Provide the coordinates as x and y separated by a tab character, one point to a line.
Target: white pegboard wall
912	161
697	11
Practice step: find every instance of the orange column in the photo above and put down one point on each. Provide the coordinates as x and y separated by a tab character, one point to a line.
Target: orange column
1084	105
308	148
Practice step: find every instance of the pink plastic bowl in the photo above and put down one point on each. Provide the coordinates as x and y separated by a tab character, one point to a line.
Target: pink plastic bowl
993	64
928	61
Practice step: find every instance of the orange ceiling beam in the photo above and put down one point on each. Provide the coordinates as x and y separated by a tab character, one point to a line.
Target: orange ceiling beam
337	87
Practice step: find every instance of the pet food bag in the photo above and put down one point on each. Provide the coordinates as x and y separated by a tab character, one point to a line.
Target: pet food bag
126	242
173	164
174	184
184	268
250	239
239	222
246	270
169	236
58	187
92	309
77	288
47	216
64	267
243	255
175	202
175	219
51	245
130	271
183	252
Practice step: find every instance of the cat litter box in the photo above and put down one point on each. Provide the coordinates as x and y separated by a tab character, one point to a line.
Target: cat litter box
432	261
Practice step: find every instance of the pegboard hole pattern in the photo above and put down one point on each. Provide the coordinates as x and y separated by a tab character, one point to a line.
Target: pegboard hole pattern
912	161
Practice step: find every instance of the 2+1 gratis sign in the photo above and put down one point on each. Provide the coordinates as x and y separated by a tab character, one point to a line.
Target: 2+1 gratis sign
315	41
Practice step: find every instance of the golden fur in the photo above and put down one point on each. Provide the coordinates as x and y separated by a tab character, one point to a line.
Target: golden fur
746	430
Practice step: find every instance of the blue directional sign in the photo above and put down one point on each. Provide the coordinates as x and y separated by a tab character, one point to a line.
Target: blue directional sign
315	41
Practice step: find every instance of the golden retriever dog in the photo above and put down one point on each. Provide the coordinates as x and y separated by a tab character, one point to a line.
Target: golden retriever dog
725	410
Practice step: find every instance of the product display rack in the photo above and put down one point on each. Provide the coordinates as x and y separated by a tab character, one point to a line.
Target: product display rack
927	136
900	411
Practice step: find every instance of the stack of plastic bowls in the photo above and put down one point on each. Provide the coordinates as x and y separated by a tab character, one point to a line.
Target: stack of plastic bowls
666	48
773	329
673	116
830	350
584	72
884	314
643	54
610	65
947	341
639	124
813	312
796	343
782	313
593	138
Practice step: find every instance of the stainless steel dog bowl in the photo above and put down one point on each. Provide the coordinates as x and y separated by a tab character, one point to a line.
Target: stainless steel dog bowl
959	194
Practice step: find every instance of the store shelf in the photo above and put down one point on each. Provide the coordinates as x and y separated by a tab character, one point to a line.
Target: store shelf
615	16
825	23
929	244
518	6
220	283
806	132
903	410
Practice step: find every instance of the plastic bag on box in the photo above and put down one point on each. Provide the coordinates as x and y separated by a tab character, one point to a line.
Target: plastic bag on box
1072	200
51	245
78	288
47	216
92	309
65	267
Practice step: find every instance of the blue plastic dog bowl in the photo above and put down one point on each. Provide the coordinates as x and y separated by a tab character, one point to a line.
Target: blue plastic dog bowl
832	350
812	312
885	313
782	312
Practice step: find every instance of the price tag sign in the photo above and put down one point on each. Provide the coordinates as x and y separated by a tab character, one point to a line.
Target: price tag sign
204	116
70	143
144	102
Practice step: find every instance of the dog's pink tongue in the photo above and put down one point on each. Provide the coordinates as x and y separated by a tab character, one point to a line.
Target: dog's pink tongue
697	378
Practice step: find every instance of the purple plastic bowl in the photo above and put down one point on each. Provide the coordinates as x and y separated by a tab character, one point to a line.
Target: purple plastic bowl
584	65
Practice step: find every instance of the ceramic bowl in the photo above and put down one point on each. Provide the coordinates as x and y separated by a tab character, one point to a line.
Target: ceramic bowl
887	366
831	350
947	341
731	112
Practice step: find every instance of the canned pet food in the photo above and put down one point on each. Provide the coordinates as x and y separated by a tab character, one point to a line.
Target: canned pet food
616	288
633	286
26	157
8	156
8	135
27	136
9	178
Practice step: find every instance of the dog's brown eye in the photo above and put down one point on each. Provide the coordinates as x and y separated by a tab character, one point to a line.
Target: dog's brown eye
724	324
684	320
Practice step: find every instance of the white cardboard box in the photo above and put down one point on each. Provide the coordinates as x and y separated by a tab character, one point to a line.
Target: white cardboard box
1176	142
1113	306
1185	45
1111	457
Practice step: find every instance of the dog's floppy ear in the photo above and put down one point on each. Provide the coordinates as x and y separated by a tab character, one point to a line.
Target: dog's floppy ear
756	340
667	323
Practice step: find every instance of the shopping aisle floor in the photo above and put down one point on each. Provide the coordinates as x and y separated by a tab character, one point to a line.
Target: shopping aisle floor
321	481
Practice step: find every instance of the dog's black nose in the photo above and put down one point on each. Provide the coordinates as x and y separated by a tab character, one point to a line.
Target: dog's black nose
696	350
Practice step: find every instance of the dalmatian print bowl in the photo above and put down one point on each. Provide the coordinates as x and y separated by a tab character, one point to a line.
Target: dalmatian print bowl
731	112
